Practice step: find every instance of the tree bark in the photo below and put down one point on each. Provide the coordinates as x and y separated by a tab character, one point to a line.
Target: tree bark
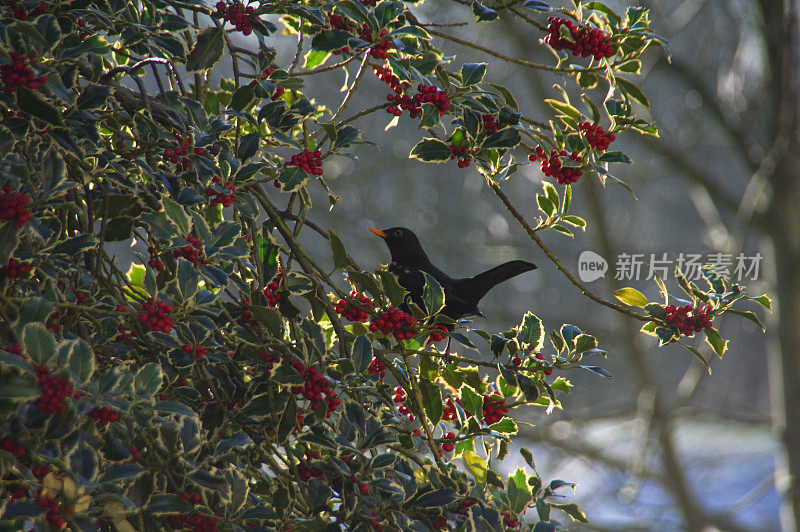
780	30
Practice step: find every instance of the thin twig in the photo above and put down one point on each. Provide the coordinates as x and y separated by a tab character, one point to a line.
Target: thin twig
539	242
522	62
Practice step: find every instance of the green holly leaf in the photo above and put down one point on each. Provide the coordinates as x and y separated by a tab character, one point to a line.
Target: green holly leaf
532	331
207	50
716	342
430	150
38	343
472	73
630	296
35	104
432	295
431	399
476	465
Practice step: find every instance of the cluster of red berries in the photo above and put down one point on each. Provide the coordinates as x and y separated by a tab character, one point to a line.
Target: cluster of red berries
125	333
400	324
547	371
448	446
431	94
243	18
551	165
352	313
19	12
191	498
306	472
53	324
121	148
309	161
362	488
510	520
198	350
403	102
465	504
449	410
315	388
192	252
278	93
154	262
385	75
585	41
437	336
688	320
225	197
16	269
425	94
81	24
463	153
14	206
373	521
494	408
306	469
598	138
490	123
178	154
103	416
246	315
380	50
399	395
439	522
340	22
267	72
155	316
376	367
271	291
54	390
400	398
196	521
10	446
269	359
55	511
19	73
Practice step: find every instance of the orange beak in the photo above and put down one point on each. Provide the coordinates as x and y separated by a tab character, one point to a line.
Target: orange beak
377	232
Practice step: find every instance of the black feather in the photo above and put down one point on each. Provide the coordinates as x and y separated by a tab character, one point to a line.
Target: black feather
461	295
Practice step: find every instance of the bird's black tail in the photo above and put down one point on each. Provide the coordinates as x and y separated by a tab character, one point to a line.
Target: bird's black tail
474	288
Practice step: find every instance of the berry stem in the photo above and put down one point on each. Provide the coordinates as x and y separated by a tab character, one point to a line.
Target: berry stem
414	385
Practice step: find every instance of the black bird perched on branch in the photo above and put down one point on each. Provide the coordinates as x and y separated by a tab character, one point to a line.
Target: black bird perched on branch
461	296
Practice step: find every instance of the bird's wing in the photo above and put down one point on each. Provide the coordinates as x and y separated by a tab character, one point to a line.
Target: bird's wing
411	279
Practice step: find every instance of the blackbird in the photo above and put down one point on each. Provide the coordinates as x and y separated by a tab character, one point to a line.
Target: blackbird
461	296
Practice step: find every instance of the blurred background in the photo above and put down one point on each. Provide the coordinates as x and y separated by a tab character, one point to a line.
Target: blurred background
662	445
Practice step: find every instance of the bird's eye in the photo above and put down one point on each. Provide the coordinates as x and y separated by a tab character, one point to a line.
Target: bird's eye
398	233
